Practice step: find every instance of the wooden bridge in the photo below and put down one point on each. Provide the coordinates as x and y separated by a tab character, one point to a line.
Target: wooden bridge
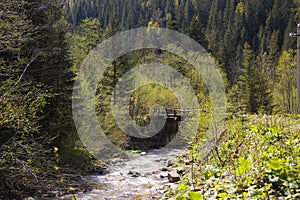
172	116
170	113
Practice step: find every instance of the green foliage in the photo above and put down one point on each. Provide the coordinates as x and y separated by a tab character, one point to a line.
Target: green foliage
22	115
22	100
256	159
149	95
251	93
196	32
190	196
24	166
244	166
35	104
222	27
85	37
38	64
285	89
143	98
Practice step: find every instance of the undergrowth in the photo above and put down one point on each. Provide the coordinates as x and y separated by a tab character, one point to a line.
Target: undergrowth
257	157
31	166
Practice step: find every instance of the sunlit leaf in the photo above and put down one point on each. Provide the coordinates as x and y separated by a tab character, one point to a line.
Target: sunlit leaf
195	196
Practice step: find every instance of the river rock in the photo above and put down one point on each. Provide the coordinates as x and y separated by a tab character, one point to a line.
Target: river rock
163	175
136	174
164	169
173	176
130	172
169	163
148	174
123	155
143	153
156	172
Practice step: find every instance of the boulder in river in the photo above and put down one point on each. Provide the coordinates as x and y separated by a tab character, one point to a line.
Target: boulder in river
173	176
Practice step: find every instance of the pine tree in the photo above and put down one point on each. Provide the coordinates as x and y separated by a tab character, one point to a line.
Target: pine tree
113	26
229	51
21	97
179	14
54	70
253	94
247	84
202	8
265	82
288	42
273	53
188	14
215	28
196	32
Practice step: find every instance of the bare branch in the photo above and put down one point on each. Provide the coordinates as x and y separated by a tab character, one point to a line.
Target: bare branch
21	76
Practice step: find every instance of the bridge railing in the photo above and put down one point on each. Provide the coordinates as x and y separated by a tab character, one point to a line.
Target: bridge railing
170	113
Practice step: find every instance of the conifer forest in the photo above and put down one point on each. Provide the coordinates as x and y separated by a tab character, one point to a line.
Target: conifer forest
46	47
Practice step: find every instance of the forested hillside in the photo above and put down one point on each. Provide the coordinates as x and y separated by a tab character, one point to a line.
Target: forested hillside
231	30
43	44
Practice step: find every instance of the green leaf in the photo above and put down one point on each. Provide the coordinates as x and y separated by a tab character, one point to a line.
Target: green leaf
195	196
218	187
276	164
245	165
222	195
181	198
183	187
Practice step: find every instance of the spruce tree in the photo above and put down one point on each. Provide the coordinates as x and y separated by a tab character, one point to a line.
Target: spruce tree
248	80
253	93
21	97
196	32
188	14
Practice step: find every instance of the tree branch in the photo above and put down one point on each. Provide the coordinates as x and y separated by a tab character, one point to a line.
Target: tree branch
21	76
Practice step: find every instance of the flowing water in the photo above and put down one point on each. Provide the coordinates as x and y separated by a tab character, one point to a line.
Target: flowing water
140	177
